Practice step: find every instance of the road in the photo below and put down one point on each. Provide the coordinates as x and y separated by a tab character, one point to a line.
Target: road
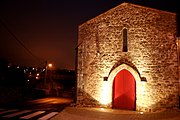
43	108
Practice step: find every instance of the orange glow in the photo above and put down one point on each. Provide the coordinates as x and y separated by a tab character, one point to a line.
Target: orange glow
50	65
106	94
53	100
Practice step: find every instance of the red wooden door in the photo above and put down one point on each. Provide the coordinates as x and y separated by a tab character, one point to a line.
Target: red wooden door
124	91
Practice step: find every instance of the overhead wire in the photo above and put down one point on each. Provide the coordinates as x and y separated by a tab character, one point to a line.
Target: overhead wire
19	41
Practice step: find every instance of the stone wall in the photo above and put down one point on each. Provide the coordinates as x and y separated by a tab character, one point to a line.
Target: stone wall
152	52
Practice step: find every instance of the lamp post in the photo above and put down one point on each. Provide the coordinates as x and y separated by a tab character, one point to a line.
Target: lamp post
45	75
46	71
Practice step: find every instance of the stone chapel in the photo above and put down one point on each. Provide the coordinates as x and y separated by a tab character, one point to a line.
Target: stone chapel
127	59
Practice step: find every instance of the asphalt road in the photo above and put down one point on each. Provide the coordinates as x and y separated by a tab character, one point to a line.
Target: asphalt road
37	108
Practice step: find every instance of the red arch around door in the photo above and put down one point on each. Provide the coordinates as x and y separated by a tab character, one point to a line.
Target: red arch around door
124	91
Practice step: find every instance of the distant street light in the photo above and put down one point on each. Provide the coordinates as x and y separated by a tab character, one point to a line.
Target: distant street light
46	69
50	65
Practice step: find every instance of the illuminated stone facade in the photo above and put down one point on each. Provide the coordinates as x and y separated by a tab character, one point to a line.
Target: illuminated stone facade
151	57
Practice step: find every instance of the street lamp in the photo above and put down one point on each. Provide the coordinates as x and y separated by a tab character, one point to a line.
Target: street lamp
46	69
50	65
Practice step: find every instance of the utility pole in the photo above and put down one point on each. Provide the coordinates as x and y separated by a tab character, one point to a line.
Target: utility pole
45	75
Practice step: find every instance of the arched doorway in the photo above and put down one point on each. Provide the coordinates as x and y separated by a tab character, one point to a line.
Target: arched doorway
124	91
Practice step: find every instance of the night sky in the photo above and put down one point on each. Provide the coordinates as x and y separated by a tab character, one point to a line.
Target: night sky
48	28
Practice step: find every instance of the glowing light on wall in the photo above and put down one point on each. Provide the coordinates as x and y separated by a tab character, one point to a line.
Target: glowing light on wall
106	94
142	89
143	102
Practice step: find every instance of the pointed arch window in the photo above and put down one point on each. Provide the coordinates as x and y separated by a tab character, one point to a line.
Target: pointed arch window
125	44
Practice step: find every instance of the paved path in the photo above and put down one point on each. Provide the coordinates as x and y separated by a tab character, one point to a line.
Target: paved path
72	113
18	114
43	109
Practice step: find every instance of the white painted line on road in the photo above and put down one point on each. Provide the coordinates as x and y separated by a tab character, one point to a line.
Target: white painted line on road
17	113
32	115
48	116
7	111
